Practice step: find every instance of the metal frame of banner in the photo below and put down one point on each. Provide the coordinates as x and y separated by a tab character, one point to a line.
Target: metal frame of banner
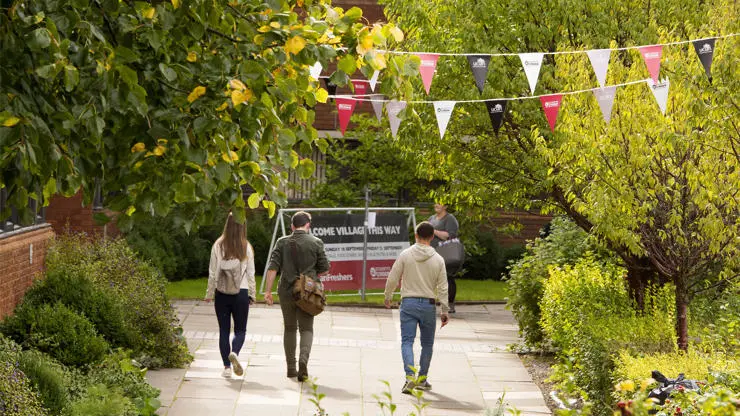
280	224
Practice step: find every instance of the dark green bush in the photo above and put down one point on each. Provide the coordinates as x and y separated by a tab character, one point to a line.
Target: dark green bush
113	266
565	244
485	258
17	397
79	293
48	378
119	371
590	318
58	331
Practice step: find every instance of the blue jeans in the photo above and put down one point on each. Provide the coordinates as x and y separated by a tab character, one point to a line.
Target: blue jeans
228	306
421	312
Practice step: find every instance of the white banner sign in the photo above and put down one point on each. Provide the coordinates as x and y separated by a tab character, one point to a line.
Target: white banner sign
443	110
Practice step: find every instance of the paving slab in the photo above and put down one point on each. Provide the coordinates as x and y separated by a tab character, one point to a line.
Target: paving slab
355	351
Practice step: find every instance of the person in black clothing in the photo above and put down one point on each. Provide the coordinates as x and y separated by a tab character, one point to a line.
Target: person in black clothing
445	228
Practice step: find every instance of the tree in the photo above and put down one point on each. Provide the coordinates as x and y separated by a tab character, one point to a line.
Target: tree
660	191
170	107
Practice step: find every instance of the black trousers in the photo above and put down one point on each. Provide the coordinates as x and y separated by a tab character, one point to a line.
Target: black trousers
451	285
228	306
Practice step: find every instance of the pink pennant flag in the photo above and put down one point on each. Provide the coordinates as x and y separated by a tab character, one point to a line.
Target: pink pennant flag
345	108
652	55
360	86
427	67
551	106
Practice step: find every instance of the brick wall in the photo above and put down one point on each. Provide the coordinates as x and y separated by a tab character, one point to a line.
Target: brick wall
70	215
22	256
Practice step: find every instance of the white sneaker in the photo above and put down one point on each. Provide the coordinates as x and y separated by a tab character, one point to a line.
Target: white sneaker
226	373
238	370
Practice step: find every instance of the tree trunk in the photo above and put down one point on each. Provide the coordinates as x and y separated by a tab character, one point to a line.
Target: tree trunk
682	307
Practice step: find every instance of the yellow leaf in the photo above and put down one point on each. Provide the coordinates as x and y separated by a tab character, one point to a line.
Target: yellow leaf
176	4
131	209
148	13
138	147
159	150
238	97
230	157
255	167
397	33
295	45
275	25
322	95
11	121
379	61
162	141
253	200
223	106
192	57
196	93
237	85
138	164
367	42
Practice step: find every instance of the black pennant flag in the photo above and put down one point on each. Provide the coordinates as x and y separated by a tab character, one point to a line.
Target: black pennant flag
330	87
479	66
705	49
496	109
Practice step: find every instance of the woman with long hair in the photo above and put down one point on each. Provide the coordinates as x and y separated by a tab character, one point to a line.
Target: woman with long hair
232	251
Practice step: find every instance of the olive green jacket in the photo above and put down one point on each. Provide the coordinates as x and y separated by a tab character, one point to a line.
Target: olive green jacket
310	259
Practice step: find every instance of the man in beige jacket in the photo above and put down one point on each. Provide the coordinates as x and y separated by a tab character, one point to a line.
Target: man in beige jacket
424	281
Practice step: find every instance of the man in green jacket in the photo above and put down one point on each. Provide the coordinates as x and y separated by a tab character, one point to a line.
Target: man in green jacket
297	253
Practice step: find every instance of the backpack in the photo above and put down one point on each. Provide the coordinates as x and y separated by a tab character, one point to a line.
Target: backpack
229	277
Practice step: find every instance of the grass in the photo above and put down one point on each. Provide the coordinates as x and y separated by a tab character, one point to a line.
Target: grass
467	290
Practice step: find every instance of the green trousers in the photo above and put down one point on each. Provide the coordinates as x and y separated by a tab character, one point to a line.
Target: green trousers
295	319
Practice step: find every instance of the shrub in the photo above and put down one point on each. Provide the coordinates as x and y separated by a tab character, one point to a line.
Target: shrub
79	293
58	331
114	267
48	378
565	244
17	397
119	371
101	400
694	364
485	258
588	315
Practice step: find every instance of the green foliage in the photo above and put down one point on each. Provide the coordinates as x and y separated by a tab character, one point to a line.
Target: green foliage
694	364
564	245
118	371
48	378
715	320
588	315
79	293
101	400
485	258
17	397
114	267
171	106
57	330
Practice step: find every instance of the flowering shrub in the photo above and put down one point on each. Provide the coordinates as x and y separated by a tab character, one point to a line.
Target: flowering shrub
17	397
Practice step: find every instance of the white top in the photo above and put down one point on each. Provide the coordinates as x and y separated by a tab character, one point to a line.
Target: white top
248	281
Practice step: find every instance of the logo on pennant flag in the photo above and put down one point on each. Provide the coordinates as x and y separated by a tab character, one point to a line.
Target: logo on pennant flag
345	108
496	109
393	108
426	69
705	49
378	106
479	66
600	62
532	62
660	92
605	98
551	106
443	110
651	55
315	70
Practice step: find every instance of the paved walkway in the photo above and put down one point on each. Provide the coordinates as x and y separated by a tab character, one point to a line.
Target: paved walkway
354	351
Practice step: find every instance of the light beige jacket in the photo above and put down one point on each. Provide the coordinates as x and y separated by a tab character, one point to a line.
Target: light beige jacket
423	273
248	281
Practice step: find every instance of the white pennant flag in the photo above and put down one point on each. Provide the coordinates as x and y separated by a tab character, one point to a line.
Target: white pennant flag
600	62
660	91
532	62
394	107
378	106
605	97
316	70
443	110
374	80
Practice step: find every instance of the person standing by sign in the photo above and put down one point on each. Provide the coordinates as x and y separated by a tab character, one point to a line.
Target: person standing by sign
231	282
445	228
309	259
423	280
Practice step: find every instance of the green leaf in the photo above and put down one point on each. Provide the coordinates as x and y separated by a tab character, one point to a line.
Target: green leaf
169	74
50	189
355	13
306	168
286	137
101	218
253	200
71	77
47	72
39	39
128	75
347	64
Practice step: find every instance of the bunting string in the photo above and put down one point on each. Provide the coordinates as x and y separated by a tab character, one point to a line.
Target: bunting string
681	42
367	97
